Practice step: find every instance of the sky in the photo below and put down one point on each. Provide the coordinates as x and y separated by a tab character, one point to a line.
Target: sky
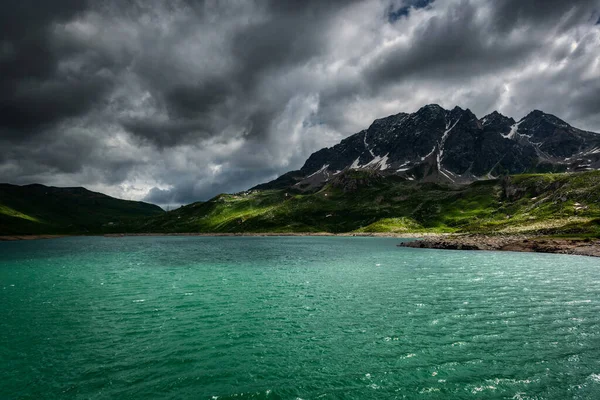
176	101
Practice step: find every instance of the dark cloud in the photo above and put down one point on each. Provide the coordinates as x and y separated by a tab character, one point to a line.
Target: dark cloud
177	101
35	92
394	14
167	133
32	106
446	47
560	14
236	180
189	101
226	86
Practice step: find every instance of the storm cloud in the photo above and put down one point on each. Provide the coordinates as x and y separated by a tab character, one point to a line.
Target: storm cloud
177	101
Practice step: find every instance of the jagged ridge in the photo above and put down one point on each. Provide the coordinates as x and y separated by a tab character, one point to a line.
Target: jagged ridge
451	146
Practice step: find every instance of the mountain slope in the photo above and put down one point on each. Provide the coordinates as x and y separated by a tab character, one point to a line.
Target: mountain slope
451	146
368	201
35	209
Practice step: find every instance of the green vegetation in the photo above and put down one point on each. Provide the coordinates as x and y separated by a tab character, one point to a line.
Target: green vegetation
9	212
355	201
364	202
392	225
38	209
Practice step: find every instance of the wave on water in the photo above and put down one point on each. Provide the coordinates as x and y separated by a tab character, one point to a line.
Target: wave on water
295	317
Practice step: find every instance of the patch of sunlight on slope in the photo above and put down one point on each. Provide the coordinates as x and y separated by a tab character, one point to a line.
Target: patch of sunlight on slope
16	214
394	225
536	226
235	208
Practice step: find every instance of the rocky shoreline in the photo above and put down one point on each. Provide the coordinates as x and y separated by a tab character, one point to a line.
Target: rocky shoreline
575	246
11	238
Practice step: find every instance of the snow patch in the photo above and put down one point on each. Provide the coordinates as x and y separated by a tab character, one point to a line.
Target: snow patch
323	168
440	153
403	167
444	172
384	165
595	150
428	154
378	161
513	131
374	161
443	140
449	172
367	146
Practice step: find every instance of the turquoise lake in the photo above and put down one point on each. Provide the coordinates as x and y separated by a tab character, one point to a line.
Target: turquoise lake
293	318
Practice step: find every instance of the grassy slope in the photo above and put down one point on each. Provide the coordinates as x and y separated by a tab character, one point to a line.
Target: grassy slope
543	203
37	209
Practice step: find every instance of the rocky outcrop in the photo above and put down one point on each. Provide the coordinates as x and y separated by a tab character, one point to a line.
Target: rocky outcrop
586	247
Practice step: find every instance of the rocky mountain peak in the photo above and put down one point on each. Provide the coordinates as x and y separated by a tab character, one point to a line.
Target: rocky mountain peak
495	123
429	111
452	146
432	108
496	118
465	115
387	122
535	114
540	117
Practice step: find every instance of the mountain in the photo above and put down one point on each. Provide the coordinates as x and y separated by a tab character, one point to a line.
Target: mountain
42	209
431	171
451	146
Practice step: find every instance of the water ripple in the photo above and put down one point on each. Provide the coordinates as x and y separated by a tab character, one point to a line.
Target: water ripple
293	318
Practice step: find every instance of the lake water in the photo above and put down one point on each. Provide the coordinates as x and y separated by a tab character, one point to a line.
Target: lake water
293	318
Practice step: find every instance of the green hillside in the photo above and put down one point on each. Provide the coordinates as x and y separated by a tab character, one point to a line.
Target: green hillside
355	201
38	209
363	201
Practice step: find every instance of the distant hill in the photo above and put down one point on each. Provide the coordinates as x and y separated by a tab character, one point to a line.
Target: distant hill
37	209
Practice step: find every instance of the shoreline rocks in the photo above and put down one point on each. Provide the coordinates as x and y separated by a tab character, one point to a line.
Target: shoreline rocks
584	247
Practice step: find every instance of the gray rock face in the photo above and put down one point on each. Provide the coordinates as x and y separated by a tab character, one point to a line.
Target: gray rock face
452	146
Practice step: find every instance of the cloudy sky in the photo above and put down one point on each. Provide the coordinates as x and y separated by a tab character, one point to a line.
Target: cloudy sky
178	100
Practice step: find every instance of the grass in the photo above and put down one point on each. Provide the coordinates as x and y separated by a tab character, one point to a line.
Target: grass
38	209
392	225
559	204
9	212
551	204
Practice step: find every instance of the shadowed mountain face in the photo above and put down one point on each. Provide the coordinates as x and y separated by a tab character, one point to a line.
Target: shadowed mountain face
43	209
452	146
